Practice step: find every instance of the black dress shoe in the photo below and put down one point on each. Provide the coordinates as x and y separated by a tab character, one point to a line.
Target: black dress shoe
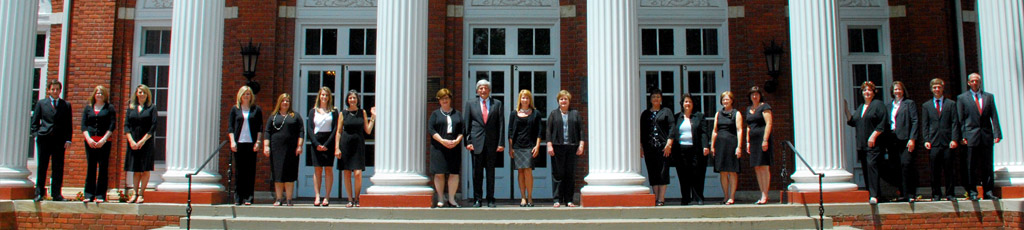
972	196
476	204
58	198
990	196
38	198
490	203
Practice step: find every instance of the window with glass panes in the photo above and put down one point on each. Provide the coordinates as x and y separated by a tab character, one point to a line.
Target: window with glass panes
489	41
534	41
657	41
694	42
867	72
40	45
701	41
322	41
157	41
362	41
701	87
864	40
662	80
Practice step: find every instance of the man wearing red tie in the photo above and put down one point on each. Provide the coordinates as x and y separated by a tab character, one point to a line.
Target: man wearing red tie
979	124
51	125
941	125
485	139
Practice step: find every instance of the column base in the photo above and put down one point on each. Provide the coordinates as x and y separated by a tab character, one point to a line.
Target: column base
182	197
623	200
858	196
1011	192
18	193
396	201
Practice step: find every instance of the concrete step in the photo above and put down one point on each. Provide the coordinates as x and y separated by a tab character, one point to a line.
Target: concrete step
503	213
784	222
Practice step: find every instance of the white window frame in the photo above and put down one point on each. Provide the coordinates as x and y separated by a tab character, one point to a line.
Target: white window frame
156	19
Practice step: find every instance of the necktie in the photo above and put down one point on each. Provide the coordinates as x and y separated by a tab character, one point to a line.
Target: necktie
938	106
483	106
977	103
53	103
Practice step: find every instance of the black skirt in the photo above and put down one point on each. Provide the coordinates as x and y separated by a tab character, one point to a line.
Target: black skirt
321	158
444	160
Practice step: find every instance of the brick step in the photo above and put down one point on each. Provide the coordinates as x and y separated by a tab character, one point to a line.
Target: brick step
785	222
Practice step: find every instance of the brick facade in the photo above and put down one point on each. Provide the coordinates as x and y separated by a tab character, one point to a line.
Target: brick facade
37	220
960	220
924	46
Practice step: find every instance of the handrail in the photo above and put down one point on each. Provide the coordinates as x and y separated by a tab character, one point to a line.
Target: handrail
821	195
188	209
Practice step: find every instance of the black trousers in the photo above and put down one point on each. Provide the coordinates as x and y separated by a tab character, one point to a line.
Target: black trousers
563	173
900	157
691	166
97	160
979	171
869	163
50	148
245	172
943	163
483	162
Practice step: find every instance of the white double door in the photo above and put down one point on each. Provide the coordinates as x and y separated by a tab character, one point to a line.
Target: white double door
340	79
506	82
704	84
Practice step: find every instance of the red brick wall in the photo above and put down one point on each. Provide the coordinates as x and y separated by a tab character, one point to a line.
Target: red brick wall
34	220
763	21
963	220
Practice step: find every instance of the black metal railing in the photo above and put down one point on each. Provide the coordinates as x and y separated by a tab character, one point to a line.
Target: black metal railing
188	207
821	194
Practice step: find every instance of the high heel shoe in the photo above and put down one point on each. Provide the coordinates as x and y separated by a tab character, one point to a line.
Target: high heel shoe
289	201
277	202
730	202
316	201
134	198
326	202
522	203
763	200
872	200
350	204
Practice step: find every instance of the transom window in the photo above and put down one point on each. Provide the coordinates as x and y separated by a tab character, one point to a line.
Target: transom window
362	41
489	41
663	42
40	45
534	41
701	41
157	41
321	41
864	40
657	41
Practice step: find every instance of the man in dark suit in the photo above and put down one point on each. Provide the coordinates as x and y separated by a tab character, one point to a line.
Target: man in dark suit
900	136
51	125
941	123
485	138
979	125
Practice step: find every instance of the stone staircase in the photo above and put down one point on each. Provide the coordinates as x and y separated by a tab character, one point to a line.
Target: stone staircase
507	217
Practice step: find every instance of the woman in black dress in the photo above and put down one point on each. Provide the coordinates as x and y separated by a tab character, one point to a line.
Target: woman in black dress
245	122
524	136
445	128
759	130
656	138
350	145
320	128
98	122
690	151
283	137
140	127
725	146
870	123
566	142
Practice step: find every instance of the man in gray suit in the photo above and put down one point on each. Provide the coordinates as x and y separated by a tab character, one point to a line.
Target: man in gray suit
979	125
485	138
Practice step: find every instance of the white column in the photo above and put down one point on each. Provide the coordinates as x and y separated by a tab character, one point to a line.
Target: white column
402	96
17	42
1002	58
194	88
615	96
816	102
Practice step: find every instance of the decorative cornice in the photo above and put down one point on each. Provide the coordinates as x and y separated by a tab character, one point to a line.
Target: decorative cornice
340	3
515	3
859	3
680	3
159	4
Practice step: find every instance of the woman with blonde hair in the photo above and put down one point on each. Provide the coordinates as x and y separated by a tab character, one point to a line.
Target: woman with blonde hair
524	129
244	123
725	139
323	118
446	133
140	124
283	138
566	142
98	121
350	145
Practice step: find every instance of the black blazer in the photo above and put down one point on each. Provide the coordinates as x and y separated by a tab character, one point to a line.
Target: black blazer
479	134
50	121
236	120
940	129
978	127
554	128
906	120
873	120
97	124
701	135
310	125
664	120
